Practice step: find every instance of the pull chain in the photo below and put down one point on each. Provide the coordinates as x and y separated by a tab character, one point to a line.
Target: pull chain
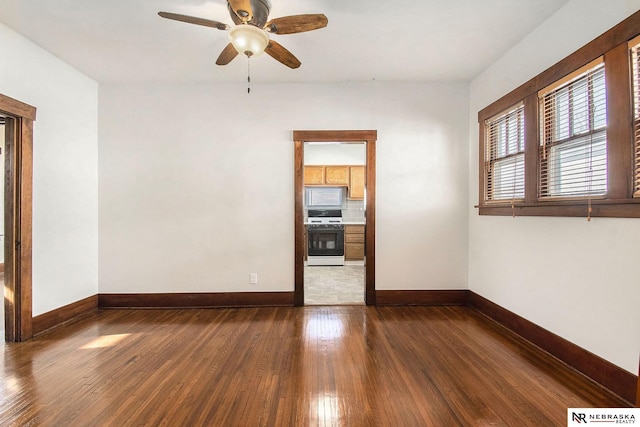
248	74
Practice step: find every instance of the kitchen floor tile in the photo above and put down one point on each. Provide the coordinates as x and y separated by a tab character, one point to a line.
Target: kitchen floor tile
332	285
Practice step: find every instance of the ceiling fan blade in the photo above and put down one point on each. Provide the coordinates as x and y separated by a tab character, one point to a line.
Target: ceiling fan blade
227	55
296	23
194	20
242	9
280	54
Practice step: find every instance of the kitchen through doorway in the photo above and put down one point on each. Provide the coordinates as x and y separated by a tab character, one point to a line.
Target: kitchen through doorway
334	218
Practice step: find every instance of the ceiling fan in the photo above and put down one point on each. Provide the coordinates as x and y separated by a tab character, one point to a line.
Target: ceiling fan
250	34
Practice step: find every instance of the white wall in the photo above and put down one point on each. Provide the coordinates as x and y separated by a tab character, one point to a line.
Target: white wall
65	194
575	278
196	182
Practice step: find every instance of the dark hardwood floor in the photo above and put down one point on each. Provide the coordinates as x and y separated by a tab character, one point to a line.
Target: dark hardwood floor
307	366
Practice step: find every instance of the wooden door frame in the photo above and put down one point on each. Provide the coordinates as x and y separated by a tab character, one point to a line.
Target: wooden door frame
369	137
18	218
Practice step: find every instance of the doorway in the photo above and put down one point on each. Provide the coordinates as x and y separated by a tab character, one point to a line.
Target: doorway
18	189
334	262
367	139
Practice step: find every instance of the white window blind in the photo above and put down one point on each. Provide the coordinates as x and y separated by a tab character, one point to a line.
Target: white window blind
635	71
504	158
573	140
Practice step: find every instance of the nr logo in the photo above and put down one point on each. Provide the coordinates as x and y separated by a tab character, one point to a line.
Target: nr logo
579	418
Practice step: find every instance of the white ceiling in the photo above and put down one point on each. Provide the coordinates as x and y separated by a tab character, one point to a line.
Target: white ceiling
122	41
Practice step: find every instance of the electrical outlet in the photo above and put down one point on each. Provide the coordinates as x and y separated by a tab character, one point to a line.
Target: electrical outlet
253	278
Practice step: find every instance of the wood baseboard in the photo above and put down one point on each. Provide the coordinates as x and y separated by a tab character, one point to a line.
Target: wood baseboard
64	314
426	297
603	372
196	300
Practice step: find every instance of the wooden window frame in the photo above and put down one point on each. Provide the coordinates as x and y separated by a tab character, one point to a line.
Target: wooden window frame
490	161
550	118
619	201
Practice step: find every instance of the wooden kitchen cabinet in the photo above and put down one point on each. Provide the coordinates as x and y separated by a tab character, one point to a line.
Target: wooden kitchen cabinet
314	175
326	175
356	182
353	242
336	175
352	177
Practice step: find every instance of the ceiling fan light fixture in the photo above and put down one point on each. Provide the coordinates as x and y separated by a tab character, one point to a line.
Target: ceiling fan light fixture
249	39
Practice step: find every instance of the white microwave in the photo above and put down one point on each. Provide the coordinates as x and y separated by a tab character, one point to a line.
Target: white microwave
326	197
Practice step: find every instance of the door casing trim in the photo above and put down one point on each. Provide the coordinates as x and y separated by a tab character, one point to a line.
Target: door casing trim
369	137
18	218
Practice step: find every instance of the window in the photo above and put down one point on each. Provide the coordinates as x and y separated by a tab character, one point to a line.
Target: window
573	138
504	178
567	142
635	78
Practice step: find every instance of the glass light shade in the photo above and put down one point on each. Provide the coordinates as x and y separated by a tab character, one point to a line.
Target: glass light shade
248	39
